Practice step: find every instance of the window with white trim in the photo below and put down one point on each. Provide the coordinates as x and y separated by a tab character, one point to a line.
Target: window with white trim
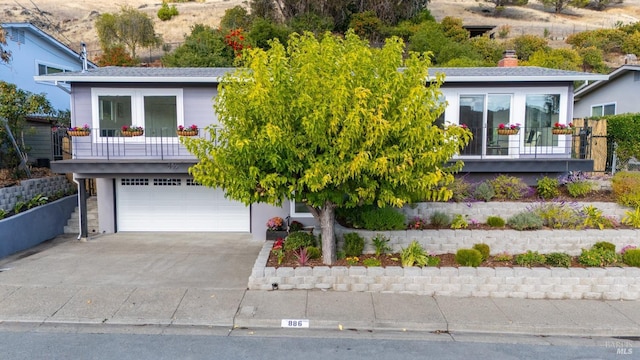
158	111
44	69
603	109
298	209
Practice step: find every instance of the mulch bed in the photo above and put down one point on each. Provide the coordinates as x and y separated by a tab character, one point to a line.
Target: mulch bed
7	178
446	260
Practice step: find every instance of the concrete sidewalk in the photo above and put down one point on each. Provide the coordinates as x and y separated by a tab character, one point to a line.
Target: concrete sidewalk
198	281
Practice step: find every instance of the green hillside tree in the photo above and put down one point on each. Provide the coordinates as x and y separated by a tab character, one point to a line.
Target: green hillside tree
15	105
559	5
333	123
129	27
563	59
204	47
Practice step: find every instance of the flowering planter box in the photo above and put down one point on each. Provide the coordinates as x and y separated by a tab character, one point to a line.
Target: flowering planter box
507	131
78	133
132	133
187	132
562	131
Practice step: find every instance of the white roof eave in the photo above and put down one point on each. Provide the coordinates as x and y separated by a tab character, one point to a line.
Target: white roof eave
522	78
128	79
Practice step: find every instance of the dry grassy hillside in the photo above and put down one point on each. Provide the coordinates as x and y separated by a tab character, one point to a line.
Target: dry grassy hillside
72	21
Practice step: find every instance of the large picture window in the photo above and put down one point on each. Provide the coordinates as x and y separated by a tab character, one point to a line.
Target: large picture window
158	111
482	114
542	111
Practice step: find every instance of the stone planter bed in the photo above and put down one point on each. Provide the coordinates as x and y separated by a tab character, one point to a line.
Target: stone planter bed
612	283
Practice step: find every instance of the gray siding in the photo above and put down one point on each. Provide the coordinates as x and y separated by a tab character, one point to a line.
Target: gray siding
623	91
198	106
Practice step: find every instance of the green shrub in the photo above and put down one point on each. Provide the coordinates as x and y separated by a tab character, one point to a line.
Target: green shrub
371	262
381	243
598	257
440	220
548	188
297	240
558	260
166	12
461	190
525	221
353	244
509	187
414	254
385	218
469	257
484	249
3	213
459	222
559	215
530	258
314	252
495	221
503	257
595	219
632	218
626	188
371	218
631	257
604	245
579	188
484	191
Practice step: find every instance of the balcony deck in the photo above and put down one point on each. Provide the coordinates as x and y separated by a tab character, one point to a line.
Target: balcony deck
533	150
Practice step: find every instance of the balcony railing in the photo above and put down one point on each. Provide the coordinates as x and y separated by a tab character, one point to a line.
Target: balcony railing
165	144
162	144
527	143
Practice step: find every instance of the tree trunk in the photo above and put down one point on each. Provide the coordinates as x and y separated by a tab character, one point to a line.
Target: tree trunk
327	219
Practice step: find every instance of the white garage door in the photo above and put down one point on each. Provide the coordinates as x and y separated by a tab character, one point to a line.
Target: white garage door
176	204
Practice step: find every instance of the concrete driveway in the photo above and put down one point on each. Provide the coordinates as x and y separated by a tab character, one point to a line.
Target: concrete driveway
130	278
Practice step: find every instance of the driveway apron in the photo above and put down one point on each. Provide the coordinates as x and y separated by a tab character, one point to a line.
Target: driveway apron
130	278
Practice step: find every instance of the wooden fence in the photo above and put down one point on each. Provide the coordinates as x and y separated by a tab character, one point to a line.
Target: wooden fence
590	142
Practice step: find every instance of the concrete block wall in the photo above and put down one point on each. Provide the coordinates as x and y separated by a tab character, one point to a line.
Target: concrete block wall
29	188
614	283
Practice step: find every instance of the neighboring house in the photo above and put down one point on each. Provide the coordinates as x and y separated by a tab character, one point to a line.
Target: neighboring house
617	95
144	185
34	53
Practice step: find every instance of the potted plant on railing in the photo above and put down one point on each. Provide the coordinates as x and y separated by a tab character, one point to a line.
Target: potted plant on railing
79	131
508	129
129	131
562	129
275	228
187	131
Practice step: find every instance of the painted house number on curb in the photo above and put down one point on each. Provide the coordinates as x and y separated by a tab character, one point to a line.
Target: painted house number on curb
295	323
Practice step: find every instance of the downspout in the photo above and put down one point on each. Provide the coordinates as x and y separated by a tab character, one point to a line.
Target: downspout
82	207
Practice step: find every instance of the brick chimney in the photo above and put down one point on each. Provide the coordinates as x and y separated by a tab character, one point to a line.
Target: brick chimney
509	59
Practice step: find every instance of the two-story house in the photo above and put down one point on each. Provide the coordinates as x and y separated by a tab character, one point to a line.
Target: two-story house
144	184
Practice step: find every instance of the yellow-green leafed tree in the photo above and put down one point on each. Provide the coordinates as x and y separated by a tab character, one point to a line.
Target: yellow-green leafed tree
333	121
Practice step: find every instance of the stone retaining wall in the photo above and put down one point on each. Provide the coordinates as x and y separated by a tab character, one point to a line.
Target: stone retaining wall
29	188
614	283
